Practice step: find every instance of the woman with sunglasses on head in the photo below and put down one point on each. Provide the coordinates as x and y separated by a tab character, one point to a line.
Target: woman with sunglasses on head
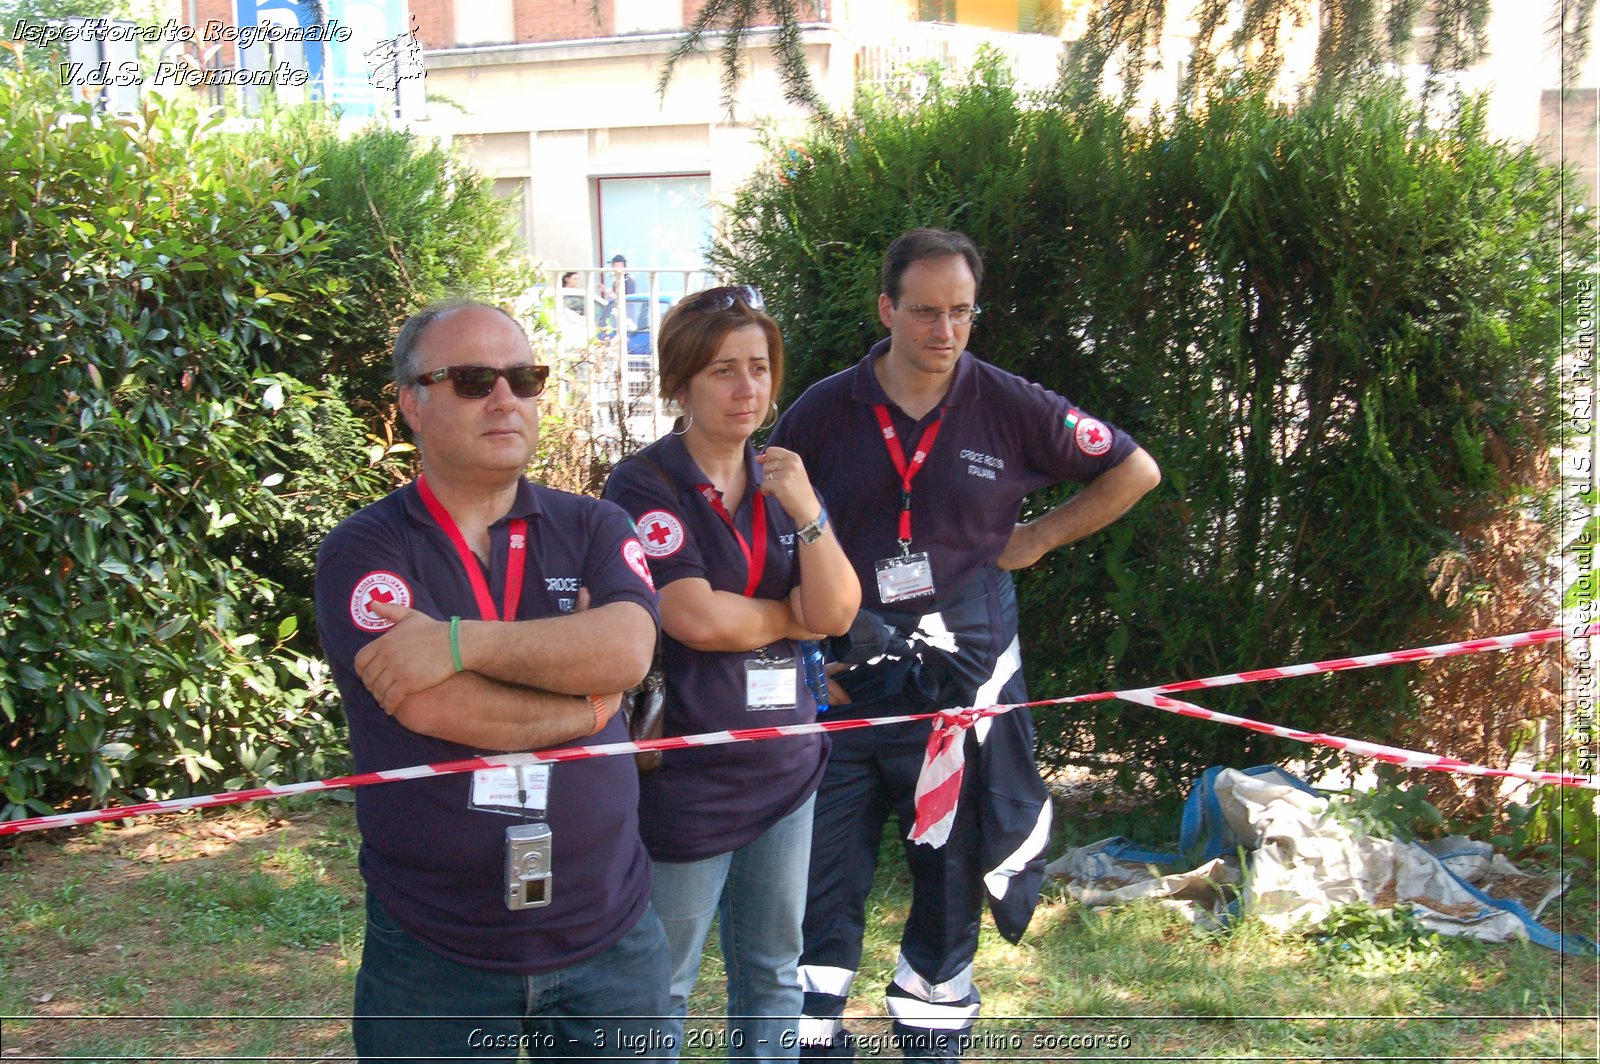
742	553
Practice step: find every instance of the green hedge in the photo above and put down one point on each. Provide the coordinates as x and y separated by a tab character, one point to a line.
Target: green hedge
191	314
158	276
1334	327
409	223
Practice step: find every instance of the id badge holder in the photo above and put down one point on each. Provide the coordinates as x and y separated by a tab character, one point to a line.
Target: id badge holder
905	577
523	791
769	683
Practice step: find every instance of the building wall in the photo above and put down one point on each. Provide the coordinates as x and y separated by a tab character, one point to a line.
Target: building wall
220	11
450	23
558	117
446	23
344	71
587	108
1569	132
433	21
810	10
553	20
1522	64
991	14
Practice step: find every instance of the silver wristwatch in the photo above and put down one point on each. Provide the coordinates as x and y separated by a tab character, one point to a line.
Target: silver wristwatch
813	532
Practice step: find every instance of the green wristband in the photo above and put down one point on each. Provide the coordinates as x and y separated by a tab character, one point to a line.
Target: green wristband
455	643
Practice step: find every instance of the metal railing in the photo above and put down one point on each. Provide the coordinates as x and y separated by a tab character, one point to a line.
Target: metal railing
603	344
892	52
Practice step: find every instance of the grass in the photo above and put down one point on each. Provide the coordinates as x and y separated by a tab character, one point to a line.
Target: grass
238	935
124	942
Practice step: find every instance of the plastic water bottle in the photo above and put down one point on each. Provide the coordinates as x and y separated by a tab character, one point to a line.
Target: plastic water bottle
816	678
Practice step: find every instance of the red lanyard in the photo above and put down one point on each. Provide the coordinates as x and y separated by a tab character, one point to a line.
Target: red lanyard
907	470
755	559
480	585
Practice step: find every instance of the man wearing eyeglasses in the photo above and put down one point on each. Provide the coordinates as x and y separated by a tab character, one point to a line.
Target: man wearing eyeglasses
472	612
925	454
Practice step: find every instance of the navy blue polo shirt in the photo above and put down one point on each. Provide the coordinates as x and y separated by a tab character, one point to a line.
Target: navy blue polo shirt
436	864
1001	438
712	800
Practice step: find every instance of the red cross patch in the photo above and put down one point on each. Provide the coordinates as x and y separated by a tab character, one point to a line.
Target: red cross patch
660	533
377	586
1093	437
633	554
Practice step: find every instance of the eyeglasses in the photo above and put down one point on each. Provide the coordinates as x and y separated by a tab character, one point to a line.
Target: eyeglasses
714	299
475	382
961	315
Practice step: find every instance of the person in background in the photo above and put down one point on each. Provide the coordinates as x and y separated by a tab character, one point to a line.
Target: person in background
927	453
744	554
617	281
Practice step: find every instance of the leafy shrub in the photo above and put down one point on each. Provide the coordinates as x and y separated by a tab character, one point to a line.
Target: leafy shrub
1376	940
157	276
408	222
1391	810
201	321
1334	327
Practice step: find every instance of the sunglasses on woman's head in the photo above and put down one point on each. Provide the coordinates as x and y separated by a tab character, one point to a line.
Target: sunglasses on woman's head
475	382
713	300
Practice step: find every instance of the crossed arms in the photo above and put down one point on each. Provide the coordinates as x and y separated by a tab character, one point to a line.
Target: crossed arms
524	684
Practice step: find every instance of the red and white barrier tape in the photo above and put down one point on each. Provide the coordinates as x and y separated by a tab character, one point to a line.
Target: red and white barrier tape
445	768
1151	696
1393	755
1365	661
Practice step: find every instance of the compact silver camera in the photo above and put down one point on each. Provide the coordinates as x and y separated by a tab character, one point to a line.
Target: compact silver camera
528	866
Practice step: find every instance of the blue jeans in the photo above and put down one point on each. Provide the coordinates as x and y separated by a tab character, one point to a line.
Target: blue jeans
412	1003
758	894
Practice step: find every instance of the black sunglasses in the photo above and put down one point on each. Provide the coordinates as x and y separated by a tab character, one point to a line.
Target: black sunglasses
713	300
475	382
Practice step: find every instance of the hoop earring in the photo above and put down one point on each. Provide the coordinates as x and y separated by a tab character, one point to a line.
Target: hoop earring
687	420
770	420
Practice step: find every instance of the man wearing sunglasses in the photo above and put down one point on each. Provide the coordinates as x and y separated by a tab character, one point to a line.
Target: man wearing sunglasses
470	612
925	455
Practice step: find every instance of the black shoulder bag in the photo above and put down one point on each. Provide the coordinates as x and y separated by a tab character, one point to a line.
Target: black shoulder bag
644	705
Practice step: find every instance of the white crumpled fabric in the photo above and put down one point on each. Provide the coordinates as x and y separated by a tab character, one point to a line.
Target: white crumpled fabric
1304	863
